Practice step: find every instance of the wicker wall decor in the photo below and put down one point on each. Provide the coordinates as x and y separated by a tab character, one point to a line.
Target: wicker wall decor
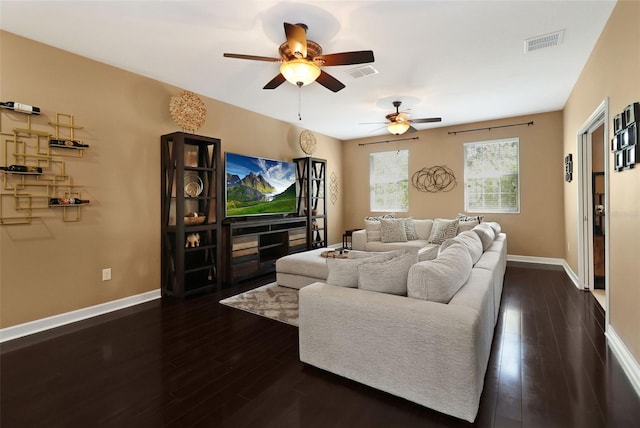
434	179
333	188
188	110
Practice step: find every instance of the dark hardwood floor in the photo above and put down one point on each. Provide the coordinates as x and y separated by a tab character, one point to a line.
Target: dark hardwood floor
200	364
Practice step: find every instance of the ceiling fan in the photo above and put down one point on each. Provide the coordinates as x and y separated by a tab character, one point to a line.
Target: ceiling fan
301	60
399	122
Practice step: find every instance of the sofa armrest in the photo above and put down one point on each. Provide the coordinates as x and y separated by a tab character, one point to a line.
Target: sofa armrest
359	240
423	351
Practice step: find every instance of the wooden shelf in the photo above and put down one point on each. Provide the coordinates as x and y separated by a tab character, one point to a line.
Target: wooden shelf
189	270
253	246
311	175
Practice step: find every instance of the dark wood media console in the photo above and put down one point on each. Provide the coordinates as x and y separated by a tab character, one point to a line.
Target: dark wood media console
253	246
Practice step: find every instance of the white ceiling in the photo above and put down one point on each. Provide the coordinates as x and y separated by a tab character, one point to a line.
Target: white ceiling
463	61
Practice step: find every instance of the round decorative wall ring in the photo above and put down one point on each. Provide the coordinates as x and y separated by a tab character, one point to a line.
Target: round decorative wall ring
434	179
307	142
188	110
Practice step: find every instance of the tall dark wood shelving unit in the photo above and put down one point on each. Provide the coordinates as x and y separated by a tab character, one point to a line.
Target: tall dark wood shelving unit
311	174
191	182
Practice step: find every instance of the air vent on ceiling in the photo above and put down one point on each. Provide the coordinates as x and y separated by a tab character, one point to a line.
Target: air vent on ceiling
544	41
363	71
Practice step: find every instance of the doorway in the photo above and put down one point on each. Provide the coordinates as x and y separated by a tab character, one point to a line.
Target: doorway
593	187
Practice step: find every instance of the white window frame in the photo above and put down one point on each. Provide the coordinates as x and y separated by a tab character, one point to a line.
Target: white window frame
491	174
386	180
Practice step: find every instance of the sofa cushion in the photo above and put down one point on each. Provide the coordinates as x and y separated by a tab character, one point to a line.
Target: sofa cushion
308	263
429	252
392	230
354	254
389	276
423	228
344	272
440	279
442	230
469	239
387	246
486	234
495	226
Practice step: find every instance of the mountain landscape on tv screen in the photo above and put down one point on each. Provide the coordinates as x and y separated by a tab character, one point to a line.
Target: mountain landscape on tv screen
254	195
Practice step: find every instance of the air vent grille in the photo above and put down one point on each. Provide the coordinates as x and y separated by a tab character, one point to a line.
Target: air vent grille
544	41
363	71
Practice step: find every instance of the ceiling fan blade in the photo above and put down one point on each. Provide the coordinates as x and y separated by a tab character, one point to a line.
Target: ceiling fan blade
296	39
329	82
275	82
252	57
345	58
427	120
411	129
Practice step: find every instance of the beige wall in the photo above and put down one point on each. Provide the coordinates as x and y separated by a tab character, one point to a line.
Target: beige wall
612	71
532	232
51	267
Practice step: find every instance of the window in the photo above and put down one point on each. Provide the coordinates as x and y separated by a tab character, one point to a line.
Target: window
389	181
491	176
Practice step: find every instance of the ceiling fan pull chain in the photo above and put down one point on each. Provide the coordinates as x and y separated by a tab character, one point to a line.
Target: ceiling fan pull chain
299	100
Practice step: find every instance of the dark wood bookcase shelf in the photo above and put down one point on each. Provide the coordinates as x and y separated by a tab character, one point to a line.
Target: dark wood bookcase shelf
191	183
312	202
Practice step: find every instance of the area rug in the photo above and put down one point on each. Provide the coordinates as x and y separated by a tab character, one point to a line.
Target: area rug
270	301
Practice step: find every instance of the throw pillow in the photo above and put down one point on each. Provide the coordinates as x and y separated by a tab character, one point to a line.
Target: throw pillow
372	225
344	272
374	218
442	230
393	230
410	229
464	217
440	279
486	234
464	225
389	276
469	239
373	230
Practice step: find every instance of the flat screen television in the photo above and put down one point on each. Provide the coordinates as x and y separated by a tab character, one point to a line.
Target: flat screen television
259	186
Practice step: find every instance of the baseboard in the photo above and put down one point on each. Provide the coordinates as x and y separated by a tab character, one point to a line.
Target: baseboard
31	327
535	260
548	261
572	275
625	358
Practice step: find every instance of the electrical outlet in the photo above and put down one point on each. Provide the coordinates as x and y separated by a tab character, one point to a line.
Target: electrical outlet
106	274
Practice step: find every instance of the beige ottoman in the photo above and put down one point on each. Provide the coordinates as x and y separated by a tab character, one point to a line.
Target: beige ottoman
300	269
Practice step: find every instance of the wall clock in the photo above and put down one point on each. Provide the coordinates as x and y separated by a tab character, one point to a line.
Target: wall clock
307	142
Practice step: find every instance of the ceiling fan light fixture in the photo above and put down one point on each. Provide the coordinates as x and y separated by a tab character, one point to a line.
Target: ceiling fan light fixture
398	128
300	71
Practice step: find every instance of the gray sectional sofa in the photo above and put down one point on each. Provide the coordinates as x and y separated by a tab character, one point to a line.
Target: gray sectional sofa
430	345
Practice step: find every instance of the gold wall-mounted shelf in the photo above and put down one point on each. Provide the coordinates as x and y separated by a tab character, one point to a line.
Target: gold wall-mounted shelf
24	193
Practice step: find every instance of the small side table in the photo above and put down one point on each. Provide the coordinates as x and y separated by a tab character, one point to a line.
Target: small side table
346	238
